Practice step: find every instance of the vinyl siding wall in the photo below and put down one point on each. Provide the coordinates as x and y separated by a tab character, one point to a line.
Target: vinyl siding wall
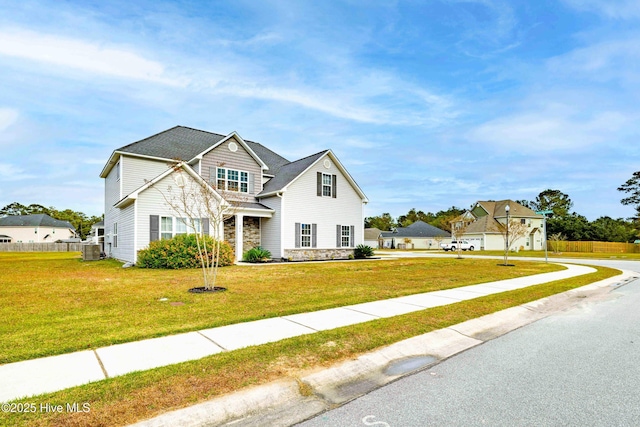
111	214
271	228
240	160
136	172
303	205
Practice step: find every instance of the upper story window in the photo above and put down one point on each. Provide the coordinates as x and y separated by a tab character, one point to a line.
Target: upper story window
232	180
118	171
326	185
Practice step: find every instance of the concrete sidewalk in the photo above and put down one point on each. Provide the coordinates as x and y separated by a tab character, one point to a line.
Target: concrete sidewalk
33	377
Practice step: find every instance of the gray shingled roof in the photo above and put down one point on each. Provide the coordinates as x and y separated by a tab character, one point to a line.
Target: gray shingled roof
417	229
37	220
289	172
183	143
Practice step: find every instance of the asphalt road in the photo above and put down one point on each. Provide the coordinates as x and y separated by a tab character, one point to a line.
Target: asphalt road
575	368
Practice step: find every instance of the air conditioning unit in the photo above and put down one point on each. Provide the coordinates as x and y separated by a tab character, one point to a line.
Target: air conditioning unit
90	252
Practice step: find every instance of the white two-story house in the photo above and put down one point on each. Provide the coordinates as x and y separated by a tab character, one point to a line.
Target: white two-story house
306	209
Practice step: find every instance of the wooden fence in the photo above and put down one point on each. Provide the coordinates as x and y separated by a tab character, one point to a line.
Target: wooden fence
40	247
601	247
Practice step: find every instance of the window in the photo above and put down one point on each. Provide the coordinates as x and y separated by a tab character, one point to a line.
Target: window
118	171
166	227
326	185
232	180
222	179
346	236
180	225
305	235
523	221
115	234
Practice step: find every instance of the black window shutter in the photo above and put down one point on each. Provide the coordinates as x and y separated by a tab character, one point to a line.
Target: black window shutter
314	235
334	186
319	184
205	225
338	236
297	244
154	228
352	237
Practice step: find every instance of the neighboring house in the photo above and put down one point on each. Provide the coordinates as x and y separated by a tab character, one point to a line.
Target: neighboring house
484	226
372	237
418	235
96	235
36	228
306	209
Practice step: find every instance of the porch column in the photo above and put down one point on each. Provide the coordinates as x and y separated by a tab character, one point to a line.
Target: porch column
239	236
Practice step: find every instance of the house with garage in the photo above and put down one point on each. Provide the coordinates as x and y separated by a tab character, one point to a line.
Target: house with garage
418	235
310	208
37	228
485	226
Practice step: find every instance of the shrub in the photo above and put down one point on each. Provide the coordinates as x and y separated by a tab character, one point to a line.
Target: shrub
182	252
363	251
256	254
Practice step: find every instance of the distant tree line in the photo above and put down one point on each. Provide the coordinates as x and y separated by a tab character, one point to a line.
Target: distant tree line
571	225
81	222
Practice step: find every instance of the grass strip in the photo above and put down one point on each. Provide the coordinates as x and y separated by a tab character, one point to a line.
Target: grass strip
133	397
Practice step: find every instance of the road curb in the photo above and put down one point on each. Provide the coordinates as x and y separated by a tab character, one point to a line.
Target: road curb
284	403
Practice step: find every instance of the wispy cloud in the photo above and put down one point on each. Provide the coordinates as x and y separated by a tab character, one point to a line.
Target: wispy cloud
617	9
557	128
8	116
10	172
602	61
92	57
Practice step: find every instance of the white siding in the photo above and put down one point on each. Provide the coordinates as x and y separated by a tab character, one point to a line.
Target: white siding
136	172
124	251
111	214
271	228
303	205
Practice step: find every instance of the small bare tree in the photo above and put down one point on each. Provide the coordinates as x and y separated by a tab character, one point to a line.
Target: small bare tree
556	238
514	232
192	200
458	227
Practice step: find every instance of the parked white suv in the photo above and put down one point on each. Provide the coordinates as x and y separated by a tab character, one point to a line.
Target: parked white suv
454	245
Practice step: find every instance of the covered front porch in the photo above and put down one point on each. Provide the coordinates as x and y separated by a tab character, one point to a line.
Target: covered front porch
245	222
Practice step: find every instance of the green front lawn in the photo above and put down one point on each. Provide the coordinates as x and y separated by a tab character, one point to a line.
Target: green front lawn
53	303
133	397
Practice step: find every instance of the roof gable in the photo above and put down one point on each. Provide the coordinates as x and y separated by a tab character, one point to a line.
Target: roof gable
132	197
488	223
290	172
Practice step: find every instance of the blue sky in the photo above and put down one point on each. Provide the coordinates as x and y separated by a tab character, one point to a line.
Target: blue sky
429	104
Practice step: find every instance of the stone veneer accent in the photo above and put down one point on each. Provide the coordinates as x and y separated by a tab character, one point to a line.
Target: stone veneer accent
317	254
251	232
